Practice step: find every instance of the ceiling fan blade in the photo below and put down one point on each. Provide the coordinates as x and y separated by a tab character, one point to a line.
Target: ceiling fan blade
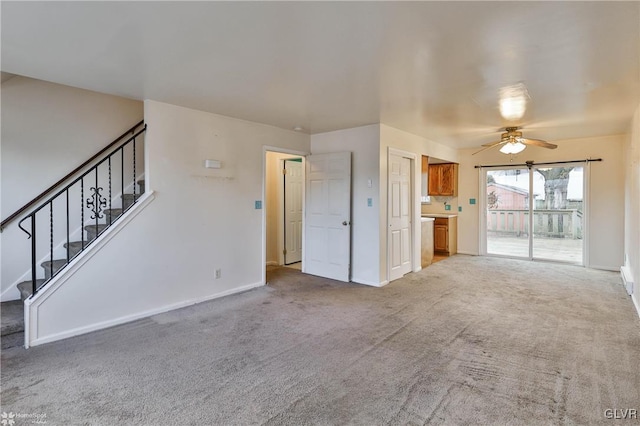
483	149
538	142
490	144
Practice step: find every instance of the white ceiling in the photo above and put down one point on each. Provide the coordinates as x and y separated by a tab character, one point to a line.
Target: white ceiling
430	68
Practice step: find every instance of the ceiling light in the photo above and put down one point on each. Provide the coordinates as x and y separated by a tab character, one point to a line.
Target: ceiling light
298	129
513	101
512	147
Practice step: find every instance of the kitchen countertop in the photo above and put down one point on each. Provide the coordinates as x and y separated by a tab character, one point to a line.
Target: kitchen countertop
427	219
445	215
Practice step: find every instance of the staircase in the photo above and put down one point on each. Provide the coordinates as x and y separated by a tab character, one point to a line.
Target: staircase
12	321
85	202
75	247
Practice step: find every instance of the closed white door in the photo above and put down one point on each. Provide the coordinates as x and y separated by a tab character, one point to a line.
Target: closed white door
292	211
327	250
399	237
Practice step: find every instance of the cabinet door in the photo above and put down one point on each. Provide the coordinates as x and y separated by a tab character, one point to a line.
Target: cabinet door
434	179
440	238
447	179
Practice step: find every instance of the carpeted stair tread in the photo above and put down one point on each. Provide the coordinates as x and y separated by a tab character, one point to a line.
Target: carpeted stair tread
25	288
127	199
57	264
75	247
112	214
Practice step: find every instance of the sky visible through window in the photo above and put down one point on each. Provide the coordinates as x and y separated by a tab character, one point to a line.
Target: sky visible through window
574	190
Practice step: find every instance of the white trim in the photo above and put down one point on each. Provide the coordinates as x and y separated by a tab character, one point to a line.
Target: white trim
32	303
265	149
602	268
414	208
482	211
586	214
369	283
635	304
272	263
627	279
468	253
139	315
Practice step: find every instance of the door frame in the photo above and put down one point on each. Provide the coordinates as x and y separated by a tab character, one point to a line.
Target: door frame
414	208
482	206
278	150
282	207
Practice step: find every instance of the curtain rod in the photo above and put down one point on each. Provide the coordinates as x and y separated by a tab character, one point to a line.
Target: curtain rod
531	163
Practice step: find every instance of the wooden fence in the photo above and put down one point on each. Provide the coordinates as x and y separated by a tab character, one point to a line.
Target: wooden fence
546	223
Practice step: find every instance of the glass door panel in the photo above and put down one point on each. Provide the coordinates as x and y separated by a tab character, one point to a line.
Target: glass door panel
507	204
558	213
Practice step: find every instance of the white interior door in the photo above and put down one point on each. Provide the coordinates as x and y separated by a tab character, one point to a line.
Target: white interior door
292	211
327	249
399	238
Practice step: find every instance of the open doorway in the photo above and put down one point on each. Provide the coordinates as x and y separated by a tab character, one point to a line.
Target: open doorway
283	207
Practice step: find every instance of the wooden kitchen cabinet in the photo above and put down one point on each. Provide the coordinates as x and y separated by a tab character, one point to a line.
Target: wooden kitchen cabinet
445	236
443	179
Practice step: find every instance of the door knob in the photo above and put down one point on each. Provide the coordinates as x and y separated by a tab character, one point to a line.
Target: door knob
344	223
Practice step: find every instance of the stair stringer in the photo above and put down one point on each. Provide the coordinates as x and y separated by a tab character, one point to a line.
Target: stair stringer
34	304
12	292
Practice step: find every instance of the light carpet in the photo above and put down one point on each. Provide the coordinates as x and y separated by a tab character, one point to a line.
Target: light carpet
468	340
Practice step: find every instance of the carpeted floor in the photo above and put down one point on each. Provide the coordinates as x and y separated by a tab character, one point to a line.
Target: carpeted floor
468	340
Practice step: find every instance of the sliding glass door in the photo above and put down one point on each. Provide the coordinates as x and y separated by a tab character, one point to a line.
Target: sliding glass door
548	200
507	205
558	213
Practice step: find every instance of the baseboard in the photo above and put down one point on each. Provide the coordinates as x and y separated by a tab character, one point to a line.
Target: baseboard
272	263
468	253
604	268
369	283
635	303
133	317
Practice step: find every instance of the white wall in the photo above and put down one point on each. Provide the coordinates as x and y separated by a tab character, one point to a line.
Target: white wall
606	195
363	142
398	139
632	204
273	204
48	130
200	220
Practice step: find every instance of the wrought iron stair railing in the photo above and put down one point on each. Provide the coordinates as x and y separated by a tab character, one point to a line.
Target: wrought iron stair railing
101	183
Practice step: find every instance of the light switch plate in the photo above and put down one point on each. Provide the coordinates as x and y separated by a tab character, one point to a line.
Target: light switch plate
369	202
447	207
459	208
472	200
258	204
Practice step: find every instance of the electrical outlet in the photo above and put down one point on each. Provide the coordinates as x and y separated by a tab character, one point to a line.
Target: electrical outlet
218	273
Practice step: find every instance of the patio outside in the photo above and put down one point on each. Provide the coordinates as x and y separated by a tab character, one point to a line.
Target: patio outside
557	213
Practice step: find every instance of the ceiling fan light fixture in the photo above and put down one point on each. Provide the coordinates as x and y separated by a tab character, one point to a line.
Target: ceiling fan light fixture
512	147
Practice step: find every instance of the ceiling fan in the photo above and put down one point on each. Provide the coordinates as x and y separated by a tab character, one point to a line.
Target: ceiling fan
512	142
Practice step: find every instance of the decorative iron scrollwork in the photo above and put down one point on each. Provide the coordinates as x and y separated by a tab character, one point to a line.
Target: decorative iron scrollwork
96	203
